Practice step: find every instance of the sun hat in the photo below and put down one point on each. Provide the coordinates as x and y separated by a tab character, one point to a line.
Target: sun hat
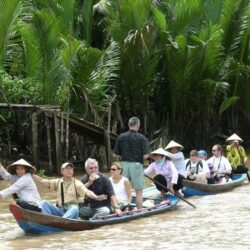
234	137
159	151
173	144
202	152
65	164
12	167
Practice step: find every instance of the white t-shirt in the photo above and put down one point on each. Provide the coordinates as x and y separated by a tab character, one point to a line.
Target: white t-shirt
221	163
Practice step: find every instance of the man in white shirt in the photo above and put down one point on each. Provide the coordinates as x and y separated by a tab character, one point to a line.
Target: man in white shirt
221	165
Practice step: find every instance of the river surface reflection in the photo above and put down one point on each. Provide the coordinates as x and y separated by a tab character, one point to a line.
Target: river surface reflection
220	222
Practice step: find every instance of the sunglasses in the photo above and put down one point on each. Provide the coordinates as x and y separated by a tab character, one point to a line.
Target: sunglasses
93	168
113	169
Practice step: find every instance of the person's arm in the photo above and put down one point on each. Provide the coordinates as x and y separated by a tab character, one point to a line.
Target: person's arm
115	204
228	168
145	157
17	186
128	190
6	175
175	156
43	181
149	169
93	196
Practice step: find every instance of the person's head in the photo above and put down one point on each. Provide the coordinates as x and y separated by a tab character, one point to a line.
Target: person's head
116	168
21	167
67	169
202	154
158	154
173	147
194	157
234	140
217	150
134	123
91	166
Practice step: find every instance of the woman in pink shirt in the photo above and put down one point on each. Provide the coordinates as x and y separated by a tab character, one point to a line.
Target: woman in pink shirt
166	173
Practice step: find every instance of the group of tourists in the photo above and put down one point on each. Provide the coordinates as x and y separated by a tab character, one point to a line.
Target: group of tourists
96	195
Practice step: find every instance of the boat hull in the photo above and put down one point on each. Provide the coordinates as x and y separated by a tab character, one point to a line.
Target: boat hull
192	188
36	223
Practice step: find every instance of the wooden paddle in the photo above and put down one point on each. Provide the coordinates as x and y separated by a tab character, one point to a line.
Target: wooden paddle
165	188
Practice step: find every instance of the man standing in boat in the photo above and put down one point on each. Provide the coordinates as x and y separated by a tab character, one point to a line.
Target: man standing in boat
133	149
100	185
69	190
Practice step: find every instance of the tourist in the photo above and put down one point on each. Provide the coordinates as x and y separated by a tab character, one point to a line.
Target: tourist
133	149
69	190
196	169
100	185
221	165
121	185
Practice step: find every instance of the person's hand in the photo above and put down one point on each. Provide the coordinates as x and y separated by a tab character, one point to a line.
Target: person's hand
91	180
102	197
118	211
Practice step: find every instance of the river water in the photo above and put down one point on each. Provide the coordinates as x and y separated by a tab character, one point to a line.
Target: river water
220	221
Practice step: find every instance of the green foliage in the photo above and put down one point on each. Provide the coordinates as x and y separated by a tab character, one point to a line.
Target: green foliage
16	90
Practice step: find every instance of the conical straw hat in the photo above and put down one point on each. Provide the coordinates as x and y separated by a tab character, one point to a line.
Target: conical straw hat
12	167
173	144
234	137
159	151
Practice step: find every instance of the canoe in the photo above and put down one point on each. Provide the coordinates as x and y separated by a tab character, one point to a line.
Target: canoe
192	188
36	223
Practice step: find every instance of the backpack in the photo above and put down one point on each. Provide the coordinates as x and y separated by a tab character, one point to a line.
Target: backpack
199	164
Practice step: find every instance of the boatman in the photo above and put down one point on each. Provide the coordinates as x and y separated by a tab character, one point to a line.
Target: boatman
133	149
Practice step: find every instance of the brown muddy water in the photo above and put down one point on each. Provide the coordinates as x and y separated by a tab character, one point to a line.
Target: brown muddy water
220	221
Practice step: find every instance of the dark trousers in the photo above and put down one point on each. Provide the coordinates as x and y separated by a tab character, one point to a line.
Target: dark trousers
240	170
22	203
162	180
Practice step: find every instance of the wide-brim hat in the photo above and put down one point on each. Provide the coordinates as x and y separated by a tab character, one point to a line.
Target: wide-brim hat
234	137
173	144
12	167
159	151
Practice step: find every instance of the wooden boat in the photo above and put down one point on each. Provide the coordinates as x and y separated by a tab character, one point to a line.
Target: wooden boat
35	223
192	188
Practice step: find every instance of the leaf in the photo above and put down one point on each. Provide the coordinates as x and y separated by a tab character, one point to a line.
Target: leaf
227	103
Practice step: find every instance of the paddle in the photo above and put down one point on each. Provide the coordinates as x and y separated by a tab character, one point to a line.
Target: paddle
158	183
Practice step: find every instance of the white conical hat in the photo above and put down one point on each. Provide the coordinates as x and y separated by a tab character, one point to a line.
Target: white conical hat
159	151
12	167
234	137
174	144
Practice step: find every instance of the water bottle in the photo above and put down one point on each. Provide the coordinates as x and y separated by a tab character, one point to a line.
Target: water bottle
211	169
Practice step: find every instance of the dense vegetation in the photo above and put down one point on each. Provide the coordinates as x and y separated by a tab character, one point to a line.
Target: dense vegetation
182	66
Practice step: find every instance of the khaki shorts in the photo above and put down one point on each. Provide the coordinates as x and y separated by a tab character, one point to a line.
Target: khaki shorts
135	173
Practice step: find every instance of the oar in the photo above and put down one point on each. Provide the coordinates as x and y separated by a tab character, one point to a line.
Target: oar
158	183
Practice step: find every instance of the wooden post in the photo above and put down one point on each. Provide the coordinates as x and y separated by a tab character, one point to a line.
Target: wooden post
48	126
107	141
58	144
35	138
